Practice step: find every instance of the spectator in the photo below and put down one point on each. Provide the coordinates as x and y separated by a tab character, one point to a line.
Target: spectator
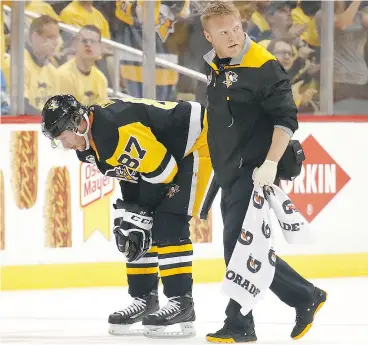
79	76
304	14
130	14
40	76
4	100
350	68
278	16
303	85
41	7
81	13
258	23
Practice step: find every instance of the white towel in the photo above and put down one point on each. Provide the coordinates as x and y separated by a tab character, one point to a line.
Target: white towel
251	269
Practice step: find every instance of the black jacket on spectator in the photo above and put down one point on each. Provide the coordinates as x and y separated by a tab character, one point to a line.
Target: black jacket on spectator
248	96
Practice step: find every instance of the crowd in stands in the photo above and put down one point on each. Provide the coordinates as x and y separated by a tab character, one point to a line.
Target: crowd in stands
82	65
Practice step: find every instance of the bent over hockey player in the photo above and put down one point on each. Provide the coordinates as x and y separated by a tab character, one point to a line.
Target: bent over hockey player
159	152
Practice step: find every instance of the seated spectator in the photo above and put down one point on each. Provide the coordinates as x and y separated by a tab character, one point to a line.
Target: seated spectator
299	69
81	13
4	99
350	68
79	76
40	76
43	8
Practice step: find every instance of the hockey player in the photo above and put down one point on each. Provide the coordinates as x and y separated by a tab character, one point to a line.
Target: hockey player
159	152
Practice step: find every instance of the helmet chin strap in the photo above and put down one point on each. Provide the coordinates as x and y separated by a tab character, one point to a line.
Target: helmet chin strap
85	134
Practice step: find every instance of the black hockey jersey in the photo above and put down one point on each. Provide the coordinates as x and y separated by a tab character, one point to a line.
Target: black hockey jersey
135	138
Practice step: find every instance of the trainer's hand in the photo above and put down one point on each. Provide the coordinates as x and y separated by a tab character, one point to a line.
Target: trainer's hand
265	175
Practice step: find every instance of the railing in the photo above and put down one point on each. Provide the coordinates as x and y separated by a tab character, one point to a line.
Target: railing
17	94
149	58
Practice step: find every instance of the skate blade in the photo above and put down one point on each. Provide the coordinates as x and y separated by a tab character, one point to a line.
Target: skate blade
124	330
158	332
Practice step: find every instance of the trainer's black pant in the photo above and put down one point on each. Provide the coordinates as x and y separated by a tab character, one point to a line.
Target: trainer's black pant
287	284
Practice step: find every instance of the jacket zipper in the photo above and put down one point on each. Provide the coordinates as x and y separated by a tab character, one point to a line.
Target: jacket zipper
229	109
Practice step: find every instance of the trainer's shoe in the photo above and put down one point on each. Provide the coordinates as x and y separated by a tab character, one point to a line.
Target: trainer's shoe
305	317
226	335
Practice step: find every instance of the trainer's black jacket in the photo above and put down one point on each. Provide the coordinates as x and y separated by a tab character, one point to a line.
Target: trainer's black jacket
247	98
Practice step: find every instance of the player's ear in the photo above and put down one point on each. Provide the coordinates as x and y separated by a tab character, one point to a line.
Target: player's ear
82	126
207	35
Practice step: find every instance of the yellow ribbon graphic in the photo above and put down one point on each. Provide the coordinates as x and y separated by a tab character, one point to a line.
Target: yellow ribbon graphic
97	218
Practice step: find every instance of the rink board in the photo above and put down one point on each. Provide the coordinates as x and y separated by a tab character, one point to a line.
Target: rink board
330	193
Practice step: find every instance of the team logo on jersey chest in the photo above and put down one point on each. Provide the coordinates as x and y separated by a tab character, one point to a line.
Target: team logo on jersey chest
230	78
123	173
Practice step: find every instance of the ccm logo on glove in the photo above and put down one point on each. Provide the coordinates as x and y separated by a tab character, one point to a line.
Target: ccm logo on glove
142	220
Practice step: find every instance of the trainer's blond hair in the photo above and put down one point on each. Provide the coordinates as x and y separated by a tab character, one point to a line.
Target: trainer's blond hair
218	8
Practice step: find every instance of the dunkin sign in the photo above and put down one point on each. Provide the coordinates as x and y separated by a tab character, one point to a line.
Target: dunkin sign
320	180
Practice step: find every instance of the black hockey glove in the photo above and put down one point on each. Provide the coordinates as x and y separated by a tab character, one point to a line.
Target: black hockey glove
132	229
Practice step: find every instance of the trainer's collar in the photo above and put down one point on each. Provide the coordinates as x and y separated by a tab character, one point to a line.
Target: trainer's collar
210	56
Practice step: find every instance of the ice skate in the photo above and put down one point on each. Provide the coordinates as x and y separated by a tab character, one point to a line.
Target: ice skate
121	322
178	311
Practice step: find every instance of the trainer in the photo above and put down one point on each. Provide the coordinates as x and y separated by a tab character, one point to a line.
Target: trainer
251	118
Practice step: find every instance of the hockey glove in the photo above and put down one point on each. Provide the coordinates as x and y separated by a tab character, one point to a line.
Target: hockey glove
132	229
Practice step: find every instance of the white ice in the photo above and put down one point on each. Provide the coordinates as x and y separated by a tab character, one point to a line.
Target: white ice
79	316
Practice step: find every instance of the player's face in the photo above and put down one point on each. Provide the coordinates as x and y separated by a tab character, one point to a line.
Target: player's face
71	141
88	45
226	35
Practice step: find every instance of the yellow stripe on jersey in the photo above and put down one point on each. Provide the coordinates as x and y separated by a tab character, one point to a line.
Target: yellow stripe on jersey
175	249
153	250
175	271
139	150
204	179
142	270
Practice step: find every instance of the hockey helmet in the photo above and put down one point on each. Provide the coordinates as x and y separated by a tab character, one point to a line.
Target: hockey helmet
63	112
